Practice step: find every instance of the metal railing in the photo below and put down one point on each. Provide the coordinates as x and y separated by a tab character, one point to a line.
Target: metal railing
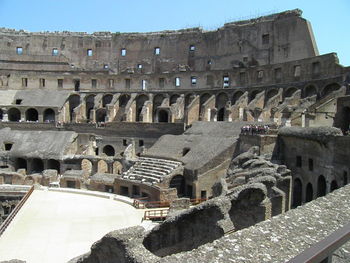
14	212
142	204
323	250
159	214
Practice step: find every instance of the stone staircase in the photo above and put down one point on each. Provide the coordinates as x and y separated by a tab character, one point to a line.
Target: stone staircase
151	170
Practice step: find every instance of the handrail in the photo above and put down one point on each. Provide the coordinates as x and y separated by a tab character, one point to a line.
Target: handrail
160	214
140	204
324	248
14	212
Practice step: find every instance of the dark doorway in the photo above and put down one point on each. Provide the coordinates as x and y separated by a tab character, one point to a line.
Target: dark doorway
37	165
221	115
163	116
49	115
21	164
334	185
297	192
14	114
54	165
32	115
309	193
109	150
178	182
321	186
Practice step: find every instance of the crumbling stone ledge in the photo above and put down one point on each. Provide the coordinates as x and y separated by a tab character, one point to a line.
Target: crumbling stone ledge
278	239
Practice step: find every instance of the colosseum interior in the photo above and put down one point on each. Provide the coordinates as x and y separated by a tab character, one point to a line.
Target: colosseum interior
215	135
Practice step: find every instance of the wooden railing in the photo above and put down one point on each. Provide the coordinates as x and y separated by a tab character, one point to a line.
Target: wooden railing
14	212
158	215
142	204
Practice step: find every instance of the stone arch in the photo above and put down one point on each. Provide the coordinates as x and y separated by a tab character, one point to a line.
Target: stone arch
220	104
178	182
89	105
189	98
102	166
163	115
334	185
252	95
49	115
157	101
289	92
54	164
37	165
309	91
202	100
297	192
32	115
21	163
74	101
174	98
123	100
14	114
270	94
321	186
140	102
309	194
101	115
86	166
106	99
108	150
117	168
329	89
236	96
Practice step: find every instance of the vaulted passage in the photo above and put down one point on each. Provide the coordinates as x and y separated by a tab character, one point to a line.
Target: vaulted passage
109	150
32	115
221	115
309	193
14	114
49	115
20	163
101	115
37	165
54	165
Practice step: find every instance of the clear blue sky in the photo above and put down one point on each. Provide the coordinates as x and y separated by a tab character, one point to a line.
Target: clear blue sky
330	19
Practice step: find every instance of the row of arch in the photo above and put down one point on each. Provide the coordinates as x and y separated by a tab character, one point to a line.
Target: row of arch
36	165
31	114
310	192
221	100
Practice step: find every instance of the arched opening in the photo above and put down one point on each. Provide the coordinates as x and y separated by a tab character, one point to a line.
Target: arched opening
289	92
310	91
90	104
20	163
32	115
14	114
107	99
188	99
236	96
49	115
140	102
54	165
37	165
334	185
117	168
178	182
163	116
202	100
123	100
330	88
86	166
1	114
297	192
108	150
252	95
173	99
221	115
309	193
270	94
345	124
74	101
102	167
101	115
157	101
321	186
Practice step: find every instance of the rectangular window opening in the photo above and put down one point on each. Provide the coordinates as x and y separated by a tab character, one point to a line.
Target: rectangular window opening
111	83
311	164
125	143
24	82
177	82
123	52
193	80
89	52
54	52
76	84
19	50
127	83
316	68
18	102
297	71
265	39
298	161
161	82
157	51
94	83
141	143
60	83
42	83
192	48
139	66
144	84
226	81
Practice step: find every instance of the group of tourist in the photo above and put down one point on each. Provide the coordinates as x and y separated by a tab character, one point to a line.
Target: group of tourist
255	129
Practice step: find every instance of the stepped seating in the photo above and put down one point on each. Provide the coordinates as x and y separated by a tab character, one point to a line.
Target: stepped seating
151	170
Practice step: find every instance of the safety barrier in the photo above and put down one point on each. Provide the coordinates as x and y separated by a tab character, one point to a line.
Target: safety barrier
141	204
14	212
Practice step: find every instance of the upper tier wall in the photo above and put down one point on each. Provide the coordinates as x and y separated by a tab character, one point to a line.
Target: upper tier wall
267	40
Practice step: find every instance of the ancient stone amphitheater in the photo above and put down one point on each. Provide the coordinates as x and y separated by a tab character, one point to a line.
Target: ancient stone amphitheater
216	135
